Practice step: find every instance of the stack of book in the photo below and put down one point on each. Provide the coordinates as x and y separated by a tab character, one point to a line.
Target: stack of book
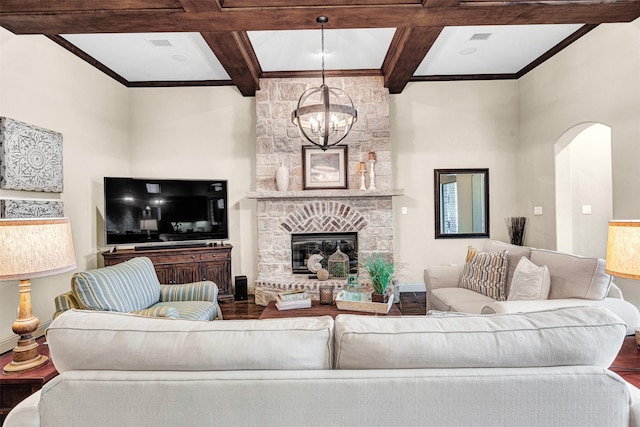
293	300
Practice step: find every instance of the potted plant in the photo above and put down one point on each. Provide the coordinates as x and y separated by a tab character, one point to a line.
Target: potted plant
381	271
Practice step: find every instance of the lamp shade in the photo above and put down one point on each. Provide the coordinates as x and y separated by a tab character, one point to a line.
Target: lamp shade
623	249
35	247
149	224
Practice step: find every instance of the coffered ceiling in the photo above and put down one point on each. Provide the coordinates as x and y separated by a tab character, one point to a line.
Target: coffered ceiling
221	42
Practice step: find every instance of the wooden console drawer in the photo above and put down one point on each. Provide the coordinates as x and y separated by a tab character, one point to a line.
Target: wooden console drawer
185	265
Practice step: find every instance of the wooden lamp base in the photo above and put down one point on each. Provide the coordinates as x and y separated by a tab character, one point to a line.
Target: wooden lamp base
26	355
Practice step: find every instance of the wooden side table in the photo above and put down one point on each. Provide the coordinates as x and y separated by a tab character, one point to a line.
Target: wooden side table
627	363
15	388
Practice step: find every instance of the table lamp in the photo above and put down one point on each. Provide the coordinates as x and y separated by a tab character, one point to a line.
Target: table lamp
623	249
623	253
149	225
31	248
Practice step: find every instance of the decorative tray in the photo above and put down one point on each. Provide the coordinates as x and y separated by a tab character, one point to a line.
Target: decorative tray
366	306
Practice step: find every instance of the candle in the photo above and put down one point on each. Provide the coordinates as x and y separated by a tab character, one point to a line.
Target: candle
362	167
326	294
372	155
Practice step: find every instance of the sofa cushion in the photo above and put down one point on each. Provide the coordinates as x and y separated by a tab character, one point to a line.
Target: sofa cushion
125	287
530	282
79	340
567	336
628	312
486	273
193	310
458	299
573	276
514	253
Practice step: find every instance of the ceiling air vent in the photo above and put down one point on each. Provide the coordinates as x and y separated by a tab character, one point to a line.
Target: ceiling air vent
160	42
481	36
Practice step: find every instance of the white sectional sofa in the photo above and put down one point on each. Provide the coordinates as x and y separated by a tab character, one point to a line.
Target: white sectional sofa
536	369
575	281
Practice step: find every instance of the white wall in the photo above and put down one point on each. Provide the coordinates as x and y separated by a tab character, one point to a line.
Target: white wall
439	125
44	85
207	133
596	79
583	178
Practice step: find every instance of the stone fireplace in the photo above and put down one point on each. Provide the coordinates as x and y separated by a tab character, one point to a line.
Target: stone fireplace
366	213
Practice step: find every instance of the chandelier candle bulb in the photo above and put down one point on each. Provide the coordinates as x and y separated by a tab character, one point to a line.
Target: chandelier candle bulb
372	156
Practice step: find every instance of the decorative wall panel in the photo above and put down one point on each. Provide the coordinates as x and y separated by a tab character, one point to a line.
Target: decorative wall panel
31	208
30	157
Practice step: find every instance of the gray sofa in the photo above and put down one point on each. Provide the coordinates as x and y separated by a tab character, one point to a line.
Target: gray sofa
575	281
536	369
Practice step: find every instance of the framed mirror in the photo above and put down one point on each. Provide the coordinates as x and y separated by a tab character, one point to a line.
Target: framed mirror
461	203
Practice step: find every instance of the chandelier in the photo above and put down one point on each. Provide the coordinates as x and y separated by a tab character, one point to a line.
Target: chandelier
325	114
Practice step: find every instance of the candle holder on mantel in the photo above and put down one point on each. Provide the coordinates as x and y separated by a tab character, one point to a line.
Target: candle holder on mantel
372	173
362	169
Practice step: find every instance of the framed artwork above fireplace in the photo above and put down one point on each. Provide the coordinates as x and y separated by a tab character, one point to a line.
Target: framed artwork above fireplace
324	169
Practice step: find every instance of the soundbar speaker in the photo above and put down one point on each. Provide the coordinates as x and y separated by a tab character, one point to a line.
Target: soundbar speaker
241	288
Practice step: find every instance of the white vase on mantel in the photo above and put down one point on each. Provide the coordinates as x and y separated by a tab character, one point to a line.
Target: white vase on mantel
282	177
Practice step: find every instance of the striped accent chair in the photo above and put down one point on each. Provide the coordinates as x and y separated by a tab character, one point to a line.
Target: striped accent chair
133	287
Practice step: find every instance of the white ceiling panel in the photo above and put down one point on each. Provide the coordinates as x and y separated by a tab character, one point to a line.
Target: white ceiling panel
145	57
300	50
490	49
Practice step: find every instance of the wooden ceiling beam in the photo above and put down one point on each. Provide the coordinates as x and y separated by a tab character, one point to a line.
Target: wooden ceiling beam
194	6
235	53
441	3
165	20
312	3
43	6
408	48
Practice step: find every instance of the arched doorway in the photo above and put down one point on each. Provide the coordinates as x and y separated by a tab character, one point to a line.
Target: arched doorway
583	182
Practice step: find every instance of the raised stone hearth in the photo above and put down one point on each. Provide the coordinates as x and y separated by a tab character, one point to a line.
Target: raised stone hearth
367	213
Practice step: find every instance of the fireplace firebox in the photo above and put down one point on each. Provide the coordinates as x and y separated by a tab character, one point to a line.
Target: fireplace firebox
306	244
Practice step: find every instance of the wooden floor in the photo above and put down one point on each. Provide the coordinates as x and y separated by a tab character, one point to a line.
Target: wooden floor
411	303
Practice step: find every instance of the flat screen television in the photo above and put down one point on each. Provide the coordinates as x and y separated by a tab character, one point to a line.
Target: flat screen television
151	211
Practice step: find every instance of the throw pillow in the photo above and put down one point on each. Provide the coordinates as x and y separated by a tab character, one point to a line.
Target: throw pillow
486	273
471	252
529	282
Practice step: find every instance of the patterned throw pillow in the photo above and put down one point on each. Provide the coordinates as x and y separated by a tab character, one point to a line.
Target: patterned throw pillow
486	273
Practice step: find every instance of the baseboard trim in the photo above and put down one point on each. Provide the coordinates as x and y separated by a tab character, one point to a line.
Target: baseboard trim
8	343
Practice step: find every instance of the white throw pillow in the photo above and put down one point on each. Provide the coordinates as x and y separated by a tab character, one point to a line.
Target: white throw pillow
530	282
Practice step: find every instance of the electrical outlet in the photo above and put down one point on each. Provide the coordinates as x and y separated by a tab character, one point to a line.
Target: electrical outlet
404	210
586	209
537	210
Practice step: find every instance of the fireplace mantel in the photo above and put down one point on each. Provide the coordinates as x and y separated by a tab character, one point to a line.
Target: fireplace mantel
323	194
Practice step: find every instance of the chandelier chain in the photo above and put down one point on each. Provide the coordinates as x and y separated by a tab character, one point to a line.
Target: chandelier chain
323	52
